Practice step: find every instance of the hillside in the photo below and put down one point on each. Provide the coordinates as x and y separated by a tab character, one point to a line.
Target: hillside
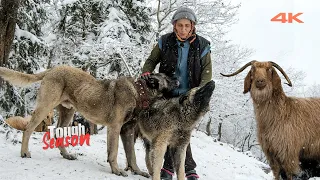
215	160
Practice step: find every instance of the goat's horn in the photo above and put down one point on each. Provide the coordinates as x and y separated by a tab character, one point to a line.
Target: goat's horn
283	73
240	70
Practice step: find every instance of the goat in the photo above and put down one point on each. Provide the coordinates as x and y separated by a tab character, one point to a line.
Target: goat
288	128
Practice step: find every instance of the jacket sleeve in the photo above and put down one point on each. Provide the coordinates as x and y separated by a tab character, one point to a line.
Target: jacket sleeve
206	74
152	60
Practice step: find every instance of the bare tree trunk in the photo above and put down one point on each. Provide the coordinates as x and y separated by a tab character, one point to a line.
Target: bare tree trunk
8	19
208	128
219	131
165	13
50	58
159	22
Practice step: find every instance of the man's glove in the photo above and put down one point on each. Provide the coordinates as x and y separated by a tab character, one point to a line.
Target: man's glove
145	75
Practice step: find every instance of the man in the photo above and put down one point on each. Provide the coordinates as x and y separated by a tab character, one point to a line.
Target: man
185	55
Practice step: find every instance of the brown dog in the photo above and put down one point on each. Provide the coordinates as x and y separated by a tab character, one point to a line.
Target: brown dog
104	102
21	123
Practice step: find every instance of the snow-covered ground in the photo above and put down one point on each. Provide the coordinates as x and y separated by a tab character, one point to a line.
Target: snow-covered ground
215	160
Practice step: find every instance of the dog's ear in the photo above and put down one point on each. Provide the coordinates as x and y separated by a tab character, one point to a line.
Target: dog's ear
247	83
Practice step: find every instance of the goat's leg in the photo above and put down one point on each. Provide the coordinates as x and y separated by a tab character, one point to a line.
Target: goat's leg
275	167
291	167
283	174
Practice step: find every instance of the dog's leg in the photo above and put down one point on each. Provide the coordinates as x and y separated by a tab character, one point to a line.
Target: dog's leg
38	115
65	117
128	137
113	133
127	134
112	149
158	149
179	160
47	98
147	145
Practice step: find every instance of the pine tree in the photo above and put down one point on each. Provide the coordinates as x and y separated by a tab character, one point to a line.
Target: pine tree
92	34
27	53
95	35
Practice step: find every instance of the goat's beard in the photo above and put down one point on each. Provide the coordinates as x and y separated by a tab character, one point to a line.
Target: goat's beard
261	96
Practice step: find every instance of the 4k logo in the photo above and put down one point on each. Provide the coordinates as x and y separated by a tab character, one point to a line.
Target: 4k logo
287	18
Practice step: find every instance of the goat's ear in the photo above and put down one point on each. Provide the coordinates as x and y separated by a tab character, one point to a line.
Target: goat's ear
247	83
276	81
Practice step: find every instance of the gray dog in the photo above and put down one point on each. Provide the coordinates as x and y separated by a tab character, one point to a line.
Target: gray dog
167	123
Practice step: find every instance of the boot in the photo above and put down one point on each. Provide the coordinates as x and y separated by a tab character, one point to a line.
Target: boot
192	175
166	174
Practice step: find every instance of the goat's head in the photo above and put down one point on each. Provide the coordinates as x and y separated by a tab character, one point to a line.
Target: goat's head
262	80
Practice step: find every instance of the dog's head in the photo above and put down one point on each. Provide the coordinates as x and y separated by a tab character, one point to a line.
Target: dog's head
198	98
161	83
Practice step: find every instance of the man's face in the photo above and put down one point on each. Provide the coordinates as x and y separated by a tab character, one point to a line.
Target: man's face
183	27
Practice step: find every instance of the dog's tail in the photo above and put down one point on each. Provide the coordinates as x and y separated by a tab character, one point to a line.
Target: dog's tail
18	122
20	79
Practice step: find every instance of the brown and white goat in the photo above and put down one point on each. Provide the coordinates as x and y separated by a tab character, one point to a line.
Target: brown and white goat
288	127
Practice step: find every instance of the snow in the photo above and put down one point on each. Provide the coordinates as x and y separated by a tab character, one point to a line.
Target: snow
65	2
22	33
215	160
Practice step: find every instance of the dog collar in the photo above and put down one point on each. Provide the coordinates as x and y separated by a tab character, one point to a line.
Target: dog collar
143	95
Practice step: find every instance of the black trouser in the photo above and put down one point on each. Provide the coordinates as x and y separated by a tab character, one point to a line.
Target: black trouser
190	164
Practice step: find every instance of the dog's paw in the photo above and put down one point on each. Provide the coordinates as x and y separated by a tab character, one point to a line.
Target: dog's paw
26	154
141	173
120	173
69	156
128	168
137	172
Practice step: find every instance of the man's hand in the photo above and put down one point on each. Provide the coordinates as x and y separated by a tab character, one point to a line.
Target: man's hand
145	75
